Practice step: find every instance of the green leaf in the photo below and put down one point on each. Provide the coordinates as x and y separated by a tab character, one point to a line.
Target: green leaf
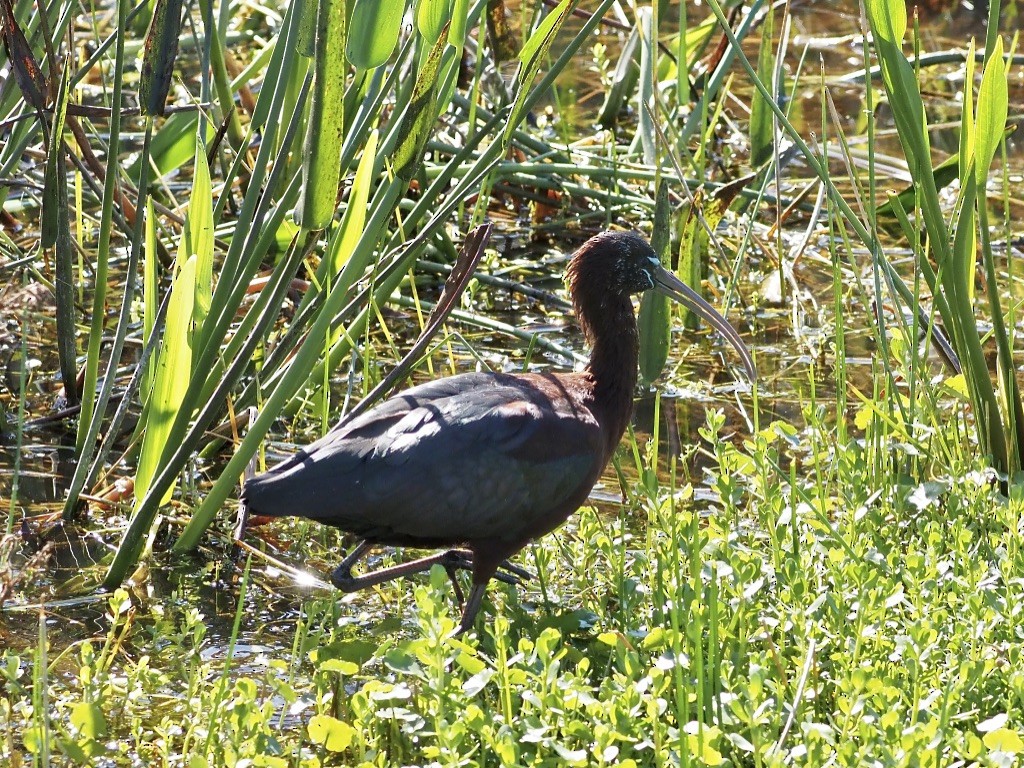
703	750
339	666
655	318
76	752
992	112
967	120
150	305
173	145
197	236
354	650
374	31
1003	740
173	367
451	59
431	16
458	24
87	717
540	40
55	202
624	79
888	19
305	33
344	239
761	115
646	102
965	159
958	385
56	234
331	733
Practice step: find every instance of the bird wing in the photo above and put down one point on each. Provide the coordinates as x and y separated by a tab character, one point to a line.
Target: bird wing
470	457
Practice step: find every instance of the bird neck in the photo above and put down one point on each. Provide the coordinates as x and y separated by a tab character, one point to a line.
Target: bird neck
610	326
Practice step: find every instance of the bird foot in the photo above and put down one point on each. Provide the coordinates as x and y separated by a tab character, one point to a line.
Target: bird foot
463	559
522	573
451	561
342	578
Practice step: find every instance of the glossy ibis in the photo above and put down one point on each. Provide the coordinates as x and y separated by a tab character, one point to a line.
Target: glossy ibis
485	461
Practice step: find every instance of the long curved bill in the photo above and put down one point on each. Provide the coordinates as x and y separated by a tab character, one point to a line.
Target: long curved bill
670	285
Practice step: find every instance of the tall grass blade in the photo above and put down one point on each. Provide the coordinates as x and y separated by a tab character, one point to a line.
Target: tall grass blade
197	240
354	220
624	80
173	145
102	261
654	320
421	113
160	52
172	367
82	468
451	59
993	99
692	245
27	74
305	35
648	84
222	84
431	16
531	58
888	20
993	107
150	280
761	119
325	131
55	173
284	68
56	234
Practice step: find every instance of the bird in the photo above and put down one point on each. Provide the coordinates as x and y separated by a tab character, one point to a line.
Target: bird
480	464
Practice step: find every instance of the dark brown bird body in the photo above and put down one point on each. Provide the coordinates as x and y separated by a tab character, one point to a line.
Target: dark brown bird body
435	467
488	461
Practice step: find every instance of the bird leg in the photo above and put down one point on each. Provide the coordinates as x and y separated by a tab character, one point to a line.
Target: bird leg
343	579
476	597
522	573
459	597
487	560
451	560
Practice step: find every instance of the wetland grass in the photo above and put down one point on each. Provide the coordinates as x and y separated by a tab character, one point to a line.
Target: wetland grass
824	571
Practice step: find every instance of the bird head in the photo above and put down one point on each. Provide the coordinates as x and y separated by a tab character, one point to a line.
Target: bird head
622	263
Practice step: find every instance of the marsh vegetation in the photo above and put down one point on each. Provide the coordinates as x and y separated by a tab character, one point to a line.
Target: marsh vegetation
224	224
